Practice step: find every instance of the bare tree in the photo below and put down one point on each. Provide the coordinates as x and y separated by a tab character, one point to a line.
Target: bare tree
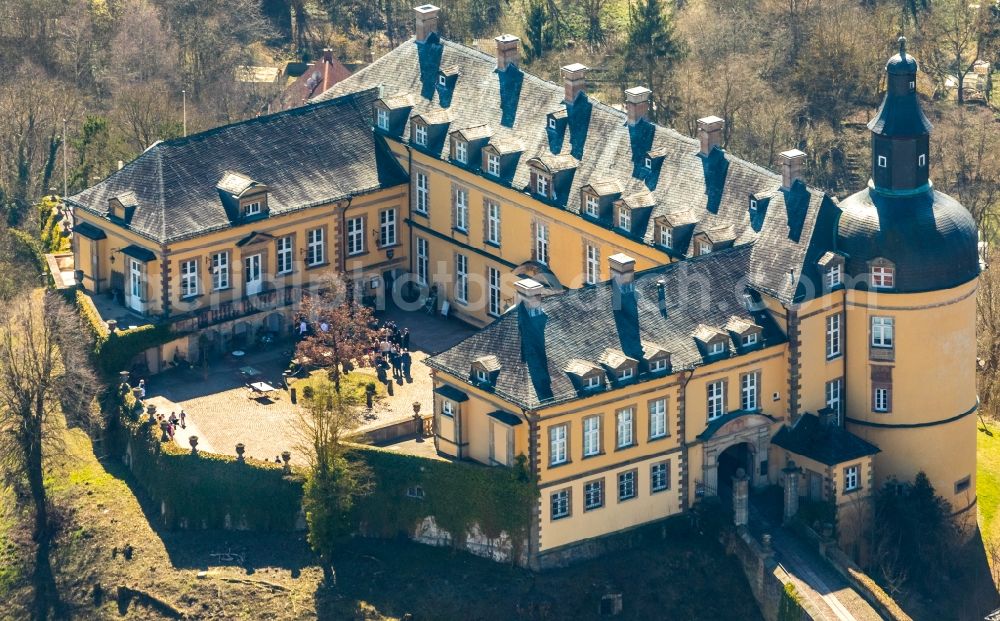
988	345
957	32
45	383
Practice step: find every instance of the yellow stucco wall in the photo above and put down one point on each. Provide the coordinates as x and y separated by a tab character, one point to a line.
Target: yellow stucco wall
933	380
816	368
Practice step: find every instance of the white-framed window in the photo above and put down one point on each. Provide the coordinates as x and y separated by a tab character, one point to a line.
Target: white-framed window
749	391
749	340
284	254
448	409
220	270
189	278
648	163
493	164
482	376
423	193
922	160
593	381
704	247
461	278
382	118
461	209
753	205
716	348
542	185
593	271
880	399
560	504
666	237
542	242
591	205
626	373
493	290
852	478
420	134
552	123
716	399
492	222
882	332
659	476
624	218
558	445
834	388
882	161
442	80
462	151
833	344
251	209
626	427
355	235
593	495
657	418
423	259
387	227
591	436
626	485
834	275
913	85
660	364
883	277
315	250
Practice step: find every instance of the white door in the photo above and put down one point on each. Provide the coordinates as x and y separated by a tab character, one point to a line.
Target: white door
252	275
135	300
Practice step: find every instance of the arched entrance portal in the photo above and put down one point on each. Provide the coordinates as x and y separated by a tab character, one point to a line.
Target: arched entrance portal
733	458
738	440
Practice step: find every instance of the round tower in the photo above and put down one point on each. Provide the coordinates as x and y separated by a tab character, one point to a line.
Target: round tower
911	262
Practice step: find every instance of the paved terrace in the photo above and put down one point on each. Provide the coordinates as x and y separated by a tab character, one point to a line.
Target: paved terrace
221	412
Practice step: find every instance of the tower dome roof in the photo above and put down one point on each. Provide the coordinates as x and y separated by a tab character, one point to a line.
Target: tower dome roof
930	238
902	63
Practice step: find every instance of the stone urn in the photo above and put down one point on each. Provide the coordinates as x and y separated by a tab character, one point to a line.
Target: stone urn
286	456
164	436
193	441
151	410
112	325
123	375
240	449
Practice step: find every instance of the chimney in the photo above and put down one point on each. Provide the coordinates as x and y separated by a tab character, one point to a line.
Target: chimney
507	51
791	167
574	81
710	133
427	20
327	55
622	269
637	104
529	294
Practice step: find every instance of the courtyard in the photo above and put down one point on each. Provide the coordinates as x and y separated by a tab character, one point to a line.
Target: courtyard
222	412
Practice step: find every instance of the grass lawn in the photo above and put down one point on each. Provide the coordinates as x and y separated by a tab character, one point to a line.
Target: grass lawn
353	384
988	480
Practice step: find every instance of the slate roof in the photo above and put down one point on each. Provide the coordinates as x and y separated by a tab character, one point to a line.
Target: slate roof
315	80
830	445
715	189
306	156
537	353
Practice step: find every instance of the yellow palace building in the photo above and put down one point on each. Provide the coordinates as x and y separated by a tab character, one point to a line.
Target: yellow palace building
661	321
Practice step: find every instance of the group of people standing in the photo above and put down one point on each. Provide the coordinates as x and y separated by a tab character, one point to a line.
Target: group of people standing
391	350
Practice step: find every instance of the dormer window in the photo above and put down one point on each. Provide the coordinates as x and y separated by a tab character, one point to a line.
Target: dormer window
666	236
716	348
420	134
493	164
542	185
552	123
482	376
704	247
461	151
749	340
442	80
882	161
626	373
658	365
883	277
834	275
753	204
592	382
648	163
624	218
382	119
251	209
591	205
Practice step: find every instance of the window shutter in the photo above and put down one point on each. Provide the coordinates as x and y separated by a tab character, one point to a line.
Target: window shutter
454	207
486	219
725	396
499	225
534	240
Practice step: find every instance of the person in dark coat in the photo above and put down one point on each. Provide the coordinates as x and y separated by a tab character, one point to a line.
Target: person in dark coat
405	340
405	362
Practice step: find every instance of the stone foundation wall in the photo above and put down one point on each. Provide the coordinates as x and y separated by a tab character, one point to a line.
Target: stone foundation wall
767	580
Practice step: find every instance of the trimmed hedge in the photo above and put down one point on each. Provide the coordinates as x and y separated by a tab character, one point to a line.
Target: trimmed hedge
28	249
114	352
456	494
203	489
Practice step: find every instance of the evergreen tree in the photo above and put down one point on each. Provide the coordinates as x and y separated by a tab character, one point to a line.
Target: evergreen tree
538	31
651	52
